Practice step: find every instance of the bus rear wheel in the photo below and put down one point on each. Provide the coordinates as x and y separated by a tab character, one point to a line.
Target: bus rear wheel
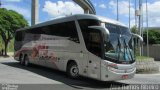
21	60
26	60
72	70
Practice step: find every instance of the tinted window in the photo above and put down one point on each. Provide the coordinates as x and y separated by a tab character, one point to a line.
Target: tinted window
92	37
117	29
33	34
125	31
19	36
113	28
66	29
84	23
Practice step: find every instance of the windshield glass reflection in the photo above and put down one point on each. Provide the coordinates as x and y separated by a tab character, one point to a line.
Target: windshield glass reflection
120	45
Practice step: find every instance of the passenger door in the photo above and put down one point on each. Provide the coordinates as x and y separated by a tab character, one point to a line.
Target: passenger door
95	53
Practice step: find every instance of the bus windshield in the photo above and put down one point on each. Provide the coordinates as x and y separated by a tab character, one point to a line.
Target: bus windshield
120	47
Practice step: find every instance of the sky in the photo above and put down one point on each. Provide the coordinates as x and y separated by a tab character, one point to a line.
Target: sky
50	9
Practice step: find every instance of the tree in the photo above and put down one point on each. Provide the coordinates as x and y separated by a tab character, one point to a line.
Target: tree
134	29
10	21
154	37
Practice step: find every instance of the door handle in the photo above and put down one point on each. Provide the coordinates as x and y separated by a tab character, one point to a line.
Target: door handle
90	61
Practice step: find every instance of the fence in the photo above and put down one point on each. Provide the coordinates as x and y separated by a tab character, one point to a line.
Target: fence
154	51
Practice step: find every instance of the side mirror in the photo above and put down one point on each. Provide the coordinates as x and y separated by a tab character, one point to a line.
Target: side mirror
139	37
104	30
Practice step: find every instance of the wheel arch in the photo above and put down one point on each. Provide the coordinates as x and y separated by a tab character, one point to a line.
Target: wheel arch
70	61
20	56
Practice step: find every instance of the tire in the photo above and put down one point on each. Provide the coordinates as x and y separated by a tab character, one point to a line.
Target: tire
72	70
26	61
21	60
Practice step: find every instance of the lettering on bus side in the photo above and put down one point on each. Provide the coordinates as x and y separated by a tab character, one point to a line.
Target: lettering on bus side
57	59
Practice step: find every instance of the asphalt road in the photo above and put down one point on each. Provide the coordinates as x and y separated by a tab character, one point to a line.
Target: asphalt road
17	77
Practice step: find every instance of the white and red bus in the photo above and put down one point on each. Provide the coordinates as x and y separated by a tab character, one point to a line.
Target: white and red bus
86	45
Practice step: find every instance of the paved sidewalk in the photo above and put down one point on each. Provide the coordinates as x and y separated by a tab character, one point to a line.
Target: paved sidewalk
147	66
158	63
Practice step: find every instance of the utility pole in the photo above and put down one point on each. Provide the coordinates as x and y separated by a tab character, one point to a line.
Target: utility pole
0	3
140	23
129	14
117	11
34	14
147	27
136	14
142	26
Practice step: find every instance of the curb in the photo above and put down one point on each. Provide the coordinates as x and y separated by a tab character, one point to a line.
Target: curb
147	66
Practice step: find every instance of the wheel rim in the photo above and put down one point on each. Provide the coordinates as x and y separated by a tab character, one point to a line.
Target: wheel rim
21	60
26	61
74	71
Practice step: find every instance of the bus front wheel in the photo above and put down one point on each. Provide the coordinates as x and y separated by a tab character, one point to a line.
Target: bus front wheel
72	70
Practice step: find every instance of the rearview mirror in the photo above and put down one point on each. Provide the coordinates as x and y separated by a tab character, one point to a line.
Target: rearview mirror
139	37
104	30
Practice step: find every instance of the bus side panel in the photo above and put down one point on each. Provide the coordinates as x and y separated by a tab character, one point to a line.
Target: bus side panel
17	50
19	35
82	54
59	52
55	51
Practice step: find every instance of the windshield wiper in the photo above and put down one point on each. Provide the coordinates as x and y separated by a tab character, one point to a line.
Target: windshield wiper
126	47
119	47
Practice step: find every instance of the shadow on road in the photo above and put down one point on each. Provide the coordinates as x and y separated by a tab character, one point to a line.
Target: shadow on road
4	56
61	77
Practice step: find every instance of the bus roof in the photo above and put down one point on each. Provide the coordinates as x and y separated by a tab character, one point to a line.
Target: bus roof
73	17
102	19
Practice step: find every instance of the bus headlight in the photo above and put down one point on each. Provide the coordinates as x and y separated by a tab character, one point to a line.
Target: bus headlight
113	66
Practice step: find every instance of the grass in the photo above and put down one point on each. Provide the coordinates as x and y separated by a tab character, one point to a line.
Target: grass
2	57
10	54
143	58
10	47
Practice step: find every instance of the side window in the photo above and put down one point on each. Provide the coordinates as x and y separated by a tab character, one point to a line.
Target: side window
92	37
72	31
66	29
84	23
57	30
94	42
19	36
32	34
45	30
